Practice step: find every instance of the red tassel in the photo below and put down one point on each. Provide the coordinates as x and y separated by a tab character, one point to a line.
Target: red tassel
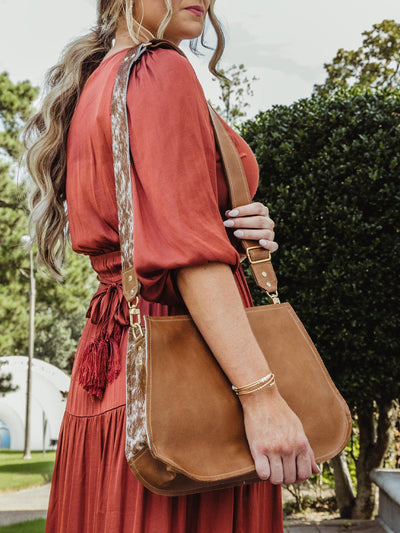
101	363
93	368
114	362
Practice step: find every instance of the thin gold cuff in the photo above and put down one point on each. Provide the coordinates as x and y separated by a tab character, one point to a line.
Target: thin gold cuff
266	381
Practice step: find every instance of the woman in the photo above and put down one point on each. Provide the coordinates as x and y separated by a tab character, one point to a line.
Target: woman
184	258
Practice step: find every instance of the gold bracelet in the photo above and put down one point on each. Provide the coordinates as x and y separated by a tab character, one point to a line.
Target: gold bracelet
267	384
265	381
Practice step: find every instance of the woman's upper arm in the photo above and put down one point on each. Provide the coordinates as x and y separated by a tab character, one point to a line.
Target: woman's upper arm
177	220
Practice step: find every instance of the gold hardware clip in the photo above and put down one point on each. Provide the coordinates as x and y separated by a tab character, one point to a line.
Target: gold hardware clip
273	296
258	260
134	312
137	331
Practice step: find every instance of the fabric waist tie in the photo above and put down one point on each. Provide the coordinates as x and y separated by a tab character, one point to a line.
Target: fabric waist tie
100	362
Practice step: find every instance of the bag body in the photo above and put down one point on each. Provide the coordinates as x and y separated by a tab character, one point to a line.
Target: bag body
184	425
195	437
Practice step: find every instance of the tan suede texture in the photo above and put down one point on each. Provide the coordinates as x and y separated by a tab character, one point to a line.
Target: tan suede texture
194	419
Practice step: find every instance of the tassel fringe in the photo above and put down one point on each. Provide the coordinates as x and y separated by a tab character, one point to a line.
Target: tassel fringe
101	361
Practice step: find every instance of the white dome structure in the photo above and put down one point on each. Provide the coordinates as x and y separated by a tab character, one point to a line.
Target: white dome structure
48	399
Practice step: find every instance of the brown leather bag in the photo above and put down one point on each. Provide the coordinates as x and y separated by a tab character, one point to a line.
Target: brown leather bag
184	424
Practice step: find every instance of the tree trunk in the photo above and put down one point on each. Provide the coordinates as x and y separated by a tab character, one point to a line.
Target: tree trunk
345	496
374	442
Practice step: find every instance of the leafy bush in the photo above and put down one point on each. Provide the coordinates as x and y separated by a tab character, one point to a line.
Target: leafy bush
329	170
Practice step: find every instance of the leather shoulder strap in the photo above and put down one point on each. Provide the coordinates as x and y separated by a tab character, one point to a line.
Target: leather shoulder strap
259	258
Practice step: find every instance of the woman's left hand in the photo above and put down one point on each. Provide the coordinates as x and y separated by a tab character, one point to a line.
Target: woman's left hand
252	222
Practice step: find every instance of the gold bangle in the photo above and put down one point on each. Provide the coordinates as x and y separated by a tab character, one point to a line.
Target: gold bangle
265	385
265	381
254	383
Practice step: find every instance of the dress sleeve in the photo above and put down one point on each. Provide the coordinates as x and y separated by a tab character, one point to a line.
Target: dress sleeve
177	221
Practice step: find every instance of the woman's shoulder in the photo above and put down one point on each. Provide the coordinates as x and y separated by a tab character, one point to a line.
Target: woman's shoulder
167	62
158	67
166	72
168	58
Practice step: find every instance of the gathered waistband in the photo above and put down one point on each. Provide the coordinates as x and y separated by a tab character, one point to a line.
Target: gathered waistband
107	266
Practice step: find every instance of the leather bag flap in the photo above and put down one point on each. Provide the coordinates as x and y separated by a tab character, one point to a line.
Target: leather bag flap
194	419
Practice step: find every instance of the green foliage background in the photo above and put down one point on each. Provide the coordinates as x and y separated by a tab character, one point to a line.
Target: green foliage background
375	64
60	308
329	169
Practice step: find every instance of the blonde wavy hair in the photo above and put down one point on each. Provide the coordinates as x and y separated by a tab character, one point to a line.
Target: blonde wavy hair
45	135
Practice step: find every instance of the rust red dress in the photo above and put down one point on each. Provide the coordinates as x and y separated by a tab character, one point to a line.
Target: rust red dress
180	197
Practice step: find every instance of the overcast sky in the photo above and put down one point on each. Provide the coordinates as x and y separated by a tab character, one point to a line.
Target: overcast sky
283	42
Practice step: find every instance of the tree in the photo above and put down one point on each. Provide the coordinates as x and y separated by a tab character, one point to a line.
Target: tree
5	382
235	89
329	171
61	311
376	64
60	308
15	107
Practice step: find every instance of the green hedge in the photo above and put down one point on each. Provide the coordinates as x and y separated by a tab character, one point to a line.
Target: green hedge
329	171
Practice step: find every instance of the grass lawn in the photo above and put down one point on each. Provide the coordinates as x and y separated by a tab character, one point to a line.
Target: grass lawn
34	526
17	473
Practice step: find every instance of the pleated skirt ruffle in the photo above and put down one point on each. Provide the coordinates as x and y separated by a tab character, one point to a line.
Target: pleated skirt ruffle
95	492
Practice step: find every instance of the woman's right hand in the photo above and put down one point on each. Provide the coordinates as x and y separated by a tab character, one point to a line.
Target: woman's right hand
277	441
278	444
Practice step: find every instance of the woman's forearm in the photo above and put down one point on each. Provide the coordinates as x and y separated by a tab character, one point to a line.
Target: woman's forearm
212	298
276	438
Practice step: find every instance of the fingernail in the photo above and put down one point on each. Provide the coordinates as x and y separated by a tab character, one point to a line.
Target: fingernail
233	213
263	242
229	223
238	233
319	470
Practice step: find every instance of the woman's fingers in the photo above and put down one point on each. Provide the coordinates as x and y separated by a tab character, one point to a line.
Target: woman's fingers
254	234
272	246
262	467
286	468
315	468
252	222
291	465
255	208
289	468
304	470
314	465
255	221
277	476
306	465
264	238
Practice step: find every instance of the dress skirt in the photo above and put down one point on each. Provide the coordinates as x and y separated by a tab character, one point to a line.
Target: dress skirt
93	489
